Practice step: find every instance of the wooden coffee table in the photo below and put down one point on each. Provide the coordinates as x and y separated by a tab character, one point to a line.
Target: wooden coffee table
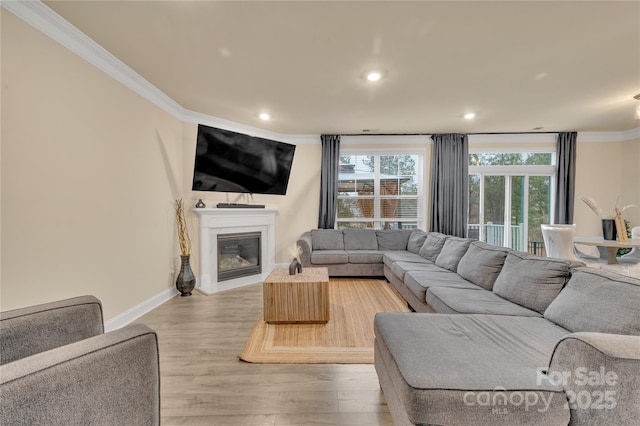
300	298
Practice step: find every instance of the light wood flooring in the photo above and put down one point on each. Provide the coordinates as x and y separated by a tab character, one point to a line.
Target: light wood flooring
204	383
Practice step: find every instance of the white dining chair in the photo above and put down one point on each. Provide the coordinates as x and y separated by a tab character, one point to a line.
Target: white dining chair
634	255
558	241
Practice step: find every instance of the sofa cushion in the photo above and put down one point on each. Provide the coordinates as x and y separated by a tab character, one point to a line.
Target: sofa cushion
437	360
327	239
531	281
432	245
482	263
448	300
400	268
393	239
402	256
416	240
419	281
598	301
329	257
360	239
452	251
364	256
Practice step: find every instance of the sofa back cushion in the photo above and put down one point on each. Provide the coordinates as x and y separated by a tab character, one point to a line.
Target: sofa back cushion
360	239
327	239
393	239
416	240
432	245
531	281
452	251
598	301
482	263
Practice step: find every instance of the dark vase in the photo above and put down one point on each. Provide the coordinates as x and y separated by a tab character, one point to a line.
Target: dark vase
609	229
186	281
295	266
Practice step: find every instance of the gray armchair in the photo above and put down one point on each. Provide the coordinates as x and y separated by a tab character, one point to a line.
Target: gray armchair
58	367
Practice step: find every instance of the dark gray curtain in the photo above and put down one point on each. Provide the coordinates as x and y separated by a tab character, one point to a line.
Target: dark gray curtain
565	177
329	181
449	184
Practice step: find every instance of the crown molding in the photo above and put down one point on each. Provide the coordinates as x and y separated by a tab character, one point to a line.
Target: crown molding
630	134
44	19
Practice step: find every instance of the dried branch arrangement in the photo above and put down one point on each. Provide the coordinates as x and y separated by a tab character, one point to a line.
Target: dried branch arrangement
593	206
183	232
295	251
611	214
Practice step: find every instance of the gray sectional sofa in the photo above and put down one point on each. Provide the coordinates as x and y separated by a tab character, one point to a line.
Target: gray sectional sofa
499	336
353	252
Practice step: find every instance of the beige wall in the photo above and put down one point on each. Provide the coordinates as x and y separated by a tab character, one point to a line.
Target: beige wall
85	191
630	185
598	176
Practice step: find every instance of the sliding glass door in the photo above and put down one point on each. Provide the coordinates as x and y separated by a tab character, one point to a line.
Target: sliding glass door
509	198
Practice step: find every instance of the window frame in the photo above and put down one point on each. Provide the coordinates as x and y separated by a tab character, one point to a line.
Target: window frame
508	171
377	220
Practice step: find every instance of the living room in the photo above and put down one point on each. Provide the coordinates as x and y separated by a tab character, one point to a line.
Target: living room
90	167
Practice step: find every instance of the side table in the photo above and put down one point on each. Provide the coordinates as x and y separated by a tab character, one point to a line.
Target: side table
300	298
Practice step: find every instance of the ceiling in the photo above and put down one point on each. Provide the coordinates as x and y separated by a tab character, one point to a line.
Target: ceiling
559	66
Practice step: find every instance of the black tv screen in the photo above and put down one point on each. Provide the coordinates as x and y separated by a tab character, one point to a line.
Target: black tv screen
227	161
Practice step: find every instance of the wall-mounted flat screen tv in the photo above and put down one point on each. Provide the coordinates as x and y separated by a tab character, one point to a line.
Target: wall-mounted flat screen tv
227	161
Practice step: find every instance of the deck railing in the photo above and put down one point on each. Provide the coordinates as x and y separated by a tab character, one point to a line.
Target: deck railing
493	233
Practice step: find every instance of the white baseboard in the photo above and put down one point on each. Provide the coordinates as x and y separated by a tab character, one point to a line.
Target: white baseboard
153	302
139	310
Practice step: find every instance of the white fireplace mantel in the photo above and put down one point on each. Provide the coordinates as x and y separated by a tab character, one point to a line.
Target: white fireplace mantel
216	221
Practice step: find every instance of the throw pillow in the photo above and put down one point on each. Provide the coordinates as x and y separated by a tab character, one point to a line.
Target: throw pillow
360	239
416	240
432	245
393	239
482	264
327	239
598	301
531	281
452	251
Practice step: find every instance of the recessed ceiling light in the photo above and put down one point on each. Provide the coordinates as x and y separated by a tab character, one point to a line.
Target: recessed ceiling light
374	76
469	115
264	116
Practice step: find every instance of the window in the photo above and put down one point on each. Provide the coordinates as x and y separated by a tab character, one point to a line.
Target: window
510	196
380	191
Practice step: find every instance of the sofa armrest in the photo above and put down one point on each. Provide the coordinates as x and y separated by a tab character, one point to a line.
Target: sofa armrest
304	242
109	379
601	377
28	331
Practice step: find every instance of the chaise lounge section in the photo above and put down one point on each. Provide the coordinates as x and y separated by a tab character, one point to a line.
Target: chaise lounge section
577	364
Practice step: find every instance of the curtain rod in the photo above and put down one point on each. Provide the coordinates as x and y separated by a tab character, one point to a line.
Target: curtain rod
430	134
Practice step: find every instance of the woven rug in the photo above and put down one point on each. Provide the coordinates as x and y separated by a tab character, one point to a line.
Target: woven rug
346	339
